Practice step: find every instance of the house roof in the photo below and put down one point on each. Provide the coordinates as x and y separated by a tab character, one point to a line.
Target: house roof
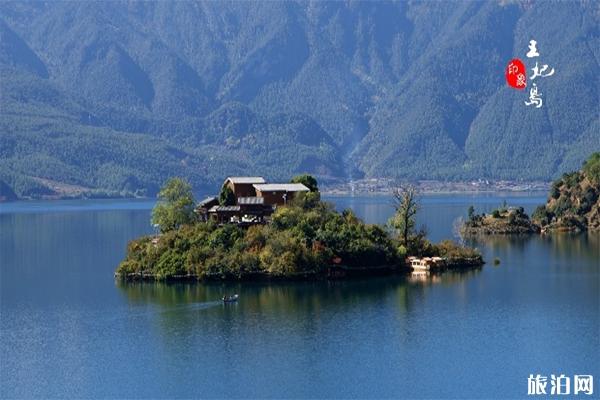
245	179
207	201
281	187
224	209
251	200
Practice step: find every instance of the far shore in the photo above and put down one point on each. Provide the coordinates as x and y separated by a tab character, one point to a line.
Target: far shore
385	186
365	187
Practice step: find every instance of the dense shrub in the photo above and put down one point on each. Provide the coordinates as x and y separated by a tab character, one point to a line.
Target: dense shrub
571	179
591	168
555	189
563	205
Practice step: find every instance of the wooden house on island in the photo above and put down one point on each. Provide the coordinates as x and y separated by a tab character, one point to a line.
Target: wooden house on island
255	200
204	206
243	186
279	193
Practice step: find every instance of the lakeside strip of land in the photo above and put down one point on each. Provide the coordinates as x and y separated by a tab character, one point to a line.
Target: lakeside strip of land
385	186
572	205
374	186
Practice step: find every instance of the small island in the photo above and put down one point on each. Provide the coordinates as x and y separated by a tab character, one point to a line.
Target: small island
573	205
255	230
502	221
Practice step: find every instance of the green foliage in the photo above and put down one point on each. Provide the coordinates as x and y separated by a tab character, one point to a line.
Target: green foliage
227	197
171	263
591	168
225	237
419	245
471	213
590	197
453	251
571	179
175	205
116	115
563	205
298	241
307	200
496	214
541	215
406	205
504	207
402	251
573	200
512	218
555	189
307	180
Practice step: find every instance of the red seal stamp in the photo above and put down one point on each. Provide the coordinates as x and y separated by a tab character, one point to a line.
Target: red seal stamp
516	76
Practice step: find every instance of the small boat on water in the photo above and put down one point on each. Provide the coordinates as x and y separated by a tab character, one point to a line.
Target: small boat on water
230	299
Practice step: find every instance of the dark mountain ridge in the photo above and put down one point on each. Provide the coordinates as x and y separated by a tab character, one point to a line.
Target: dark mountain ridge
117	96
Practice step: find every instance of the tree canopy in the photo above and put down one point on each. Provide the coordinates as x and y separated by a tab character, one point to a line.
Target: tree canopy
406	205
227	197
591	167
175	205
307	180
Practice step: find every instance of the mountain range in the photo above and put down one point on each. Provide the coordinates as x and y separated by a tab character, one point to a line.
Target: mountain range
115	97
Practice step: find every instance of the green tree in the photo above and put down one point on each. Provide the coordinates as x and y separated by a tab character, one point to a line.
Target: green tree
471	213
541	215
555	189
306	200
307	180
227	197
406	205
175	205
591	167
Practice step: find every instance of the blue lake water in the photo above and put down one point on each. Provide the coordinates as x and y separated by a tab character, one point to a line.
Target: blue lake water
67	329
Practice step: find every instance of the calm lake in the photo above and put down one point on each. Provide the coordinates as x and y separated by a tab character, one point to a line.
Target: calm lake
69	330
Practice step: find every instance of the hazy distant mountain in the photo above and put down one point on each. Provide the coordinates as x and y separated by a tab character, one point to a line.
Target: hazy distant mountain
121	95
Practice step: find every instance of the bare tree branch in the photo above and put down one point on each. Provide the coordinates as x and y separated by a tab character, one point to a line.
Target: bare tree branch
406	204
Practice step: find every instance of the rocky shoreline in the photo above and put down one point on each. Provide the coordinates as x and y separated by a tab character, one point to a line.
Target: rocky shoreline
573	205
332	273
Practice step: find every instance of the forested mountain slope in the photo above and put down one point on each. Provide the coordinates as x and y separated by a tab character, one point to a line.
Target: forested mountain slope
120	95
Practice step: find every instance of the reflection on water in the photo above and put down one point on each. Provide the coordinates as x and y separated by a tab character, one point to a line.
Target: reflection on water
68	329
443	278
424	277
284	297
573	245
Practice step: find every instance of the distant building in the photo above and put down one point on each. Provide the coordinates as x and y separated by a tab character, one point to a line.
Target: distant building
425	263
205	205
255	209
224	214
242	186
279	193
256	200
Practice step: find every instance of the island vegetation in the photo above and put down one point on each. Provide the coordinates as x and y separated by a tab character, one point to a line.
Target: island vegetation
501	221
574	200
306	238
573	205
